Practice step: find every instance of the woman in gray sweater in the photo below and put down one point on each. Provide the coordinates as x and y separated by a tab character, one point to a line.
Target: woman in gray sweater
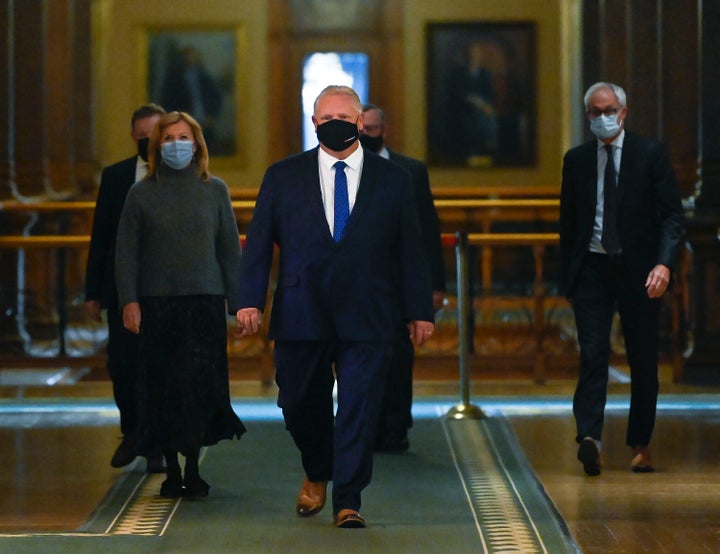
177	266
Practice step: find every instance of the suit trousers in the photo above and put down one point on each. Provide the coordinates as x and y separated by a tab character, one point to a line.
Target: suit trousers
123	354
603	287
337	447
396	411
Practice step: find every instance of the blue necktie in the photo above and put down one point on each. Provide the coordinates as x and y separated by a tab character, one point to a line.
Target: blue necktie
610	239
342	206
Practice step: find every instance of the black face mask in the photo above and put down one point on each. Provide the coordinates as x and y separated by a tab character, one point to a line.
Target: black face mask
372	143
143	144
337	134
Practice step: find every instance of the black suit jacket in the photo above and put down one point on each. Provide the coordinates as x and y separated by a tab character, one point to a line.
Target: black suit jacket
115	182
650	213
429	222
350	289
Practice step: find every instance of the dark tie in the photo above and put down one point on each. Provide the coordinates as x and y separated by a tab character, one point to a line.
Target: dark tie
342	206
610	240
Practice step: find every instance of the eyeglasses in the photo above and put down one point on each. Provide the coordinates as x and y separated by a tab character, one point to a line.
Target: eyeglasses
594	112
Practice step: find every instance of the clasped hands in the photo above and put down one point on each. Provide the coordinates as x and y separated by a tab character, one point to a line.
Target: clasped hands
247	321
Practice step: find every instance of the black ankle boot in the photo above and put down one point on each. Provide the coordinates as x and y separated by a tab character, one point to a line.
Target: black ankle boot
172	487
195	487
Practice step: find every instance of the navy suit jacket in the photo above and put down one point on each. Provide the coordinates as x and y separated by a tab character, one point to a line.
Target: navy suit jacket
350	289
651	223
115	182
428	218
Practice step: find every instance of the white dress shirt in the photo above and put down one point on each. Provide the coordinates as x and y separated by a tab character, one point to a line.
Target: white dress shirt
327	180
602	159
141	167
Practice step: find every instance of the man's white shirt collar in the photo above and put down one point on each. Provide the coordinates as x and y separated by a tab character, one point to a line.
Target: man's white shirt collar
141	167
354	161
327	179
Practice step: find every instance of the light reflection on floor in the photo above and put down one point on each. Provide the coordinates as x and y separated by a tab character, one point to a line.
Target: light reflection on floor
54	413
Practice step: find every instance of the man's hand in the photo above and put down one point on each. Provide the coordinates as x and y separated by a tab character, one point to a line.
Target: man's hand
420	331
92	309
132	317
657	281
247	321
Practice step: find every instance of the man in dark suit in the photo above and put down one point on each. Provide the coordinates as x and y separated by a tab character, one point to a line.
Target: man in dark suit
350	257
396	414
100	290
621	228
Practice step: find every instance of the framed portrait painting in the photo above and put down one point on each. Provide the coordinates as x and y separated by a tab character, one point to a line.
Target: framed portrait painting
481	94
194	70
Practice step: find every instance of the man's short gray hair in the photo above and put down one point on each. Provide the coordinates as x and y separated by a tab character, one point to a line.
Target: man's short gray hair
617	90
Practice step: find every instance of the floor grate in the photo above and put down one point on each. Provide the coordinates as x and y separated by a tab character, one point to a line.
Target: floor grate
511	515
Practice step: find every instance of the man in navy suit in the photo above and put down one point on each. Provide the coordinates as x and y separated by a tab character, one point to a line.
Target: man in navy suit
100	289
621	229
338	295
396	414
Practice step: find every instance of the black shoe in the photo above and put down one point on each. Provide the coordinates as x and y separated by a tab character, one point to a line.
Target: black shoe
589	455
172	487
155	464
125	453
392	444
195	487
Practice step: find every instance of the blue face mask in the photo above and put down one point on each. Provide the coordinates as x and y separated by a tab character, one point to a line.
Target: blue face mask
605	126
177	154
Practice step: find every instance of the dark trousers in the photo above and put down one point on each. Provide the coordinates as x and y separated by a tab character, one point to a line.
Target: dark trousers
123	351
396	412
333	447
604	286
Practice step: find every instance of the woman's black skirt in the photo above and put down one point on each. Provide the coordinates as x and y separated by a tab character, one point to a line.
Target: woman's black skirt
183	389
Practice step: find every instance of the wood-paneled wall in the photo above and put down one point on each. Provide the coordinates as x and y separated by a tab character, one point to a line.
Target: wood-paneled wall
654	48
46	150
666	53
650	48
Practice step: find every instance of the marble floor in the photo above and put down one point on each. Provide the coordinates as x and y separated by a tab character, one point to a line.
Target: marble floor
57	439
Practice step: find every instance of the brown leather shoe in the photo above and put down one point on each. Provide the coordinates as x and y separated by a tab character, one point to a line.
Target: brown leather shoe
311	497
589	456
349	519
642	461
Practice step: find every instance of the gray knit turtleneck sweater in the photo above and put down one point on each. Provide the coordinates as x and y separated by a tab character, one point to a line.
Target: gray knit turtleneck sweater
177	237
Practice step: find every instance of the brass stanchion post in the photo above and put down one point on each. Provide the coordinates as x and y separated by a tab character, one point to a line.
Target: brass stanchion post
464	410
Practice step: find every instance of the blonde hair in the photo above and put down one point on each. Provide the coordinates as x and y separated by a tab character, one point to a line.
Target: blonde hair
201	156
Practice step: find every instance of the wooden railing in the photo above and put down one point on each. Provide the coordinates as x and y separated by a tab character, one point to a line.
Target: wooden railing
536	348
537	355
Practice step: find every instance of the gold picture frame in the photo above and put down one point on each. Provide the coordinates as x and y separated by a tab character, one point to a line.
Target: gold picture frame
198	70
481	94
